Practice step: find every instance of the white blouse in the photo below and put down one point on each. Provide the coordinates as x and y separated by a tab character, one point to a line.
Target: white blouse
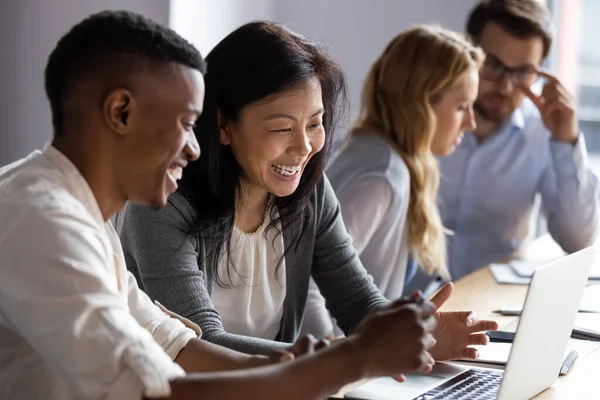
252	305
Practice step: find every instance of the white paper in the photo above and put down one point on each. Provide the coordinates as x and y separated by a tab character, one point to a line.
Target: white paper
526	268
503	273
497	353
590	303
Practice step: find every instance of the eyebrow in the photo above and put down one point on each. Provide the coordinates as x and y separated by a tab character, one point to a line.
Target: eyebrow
527	65
288	116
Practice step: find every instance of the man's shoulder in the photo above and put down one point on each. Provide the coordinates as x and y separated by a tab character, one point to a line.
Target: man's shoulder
31	187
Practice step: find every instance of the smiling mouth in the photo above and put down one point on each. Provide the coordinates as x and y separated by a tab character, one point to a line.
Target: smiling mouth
175	173
286	170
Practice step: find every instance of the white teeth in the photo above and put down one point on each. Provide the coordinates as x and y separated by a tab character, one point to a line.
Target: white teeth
176	173
286	170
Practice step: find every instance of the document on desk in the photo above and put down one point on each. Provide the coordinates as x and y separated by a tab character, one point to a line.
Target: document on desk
587	326
503	273
519	273
497	353
525	269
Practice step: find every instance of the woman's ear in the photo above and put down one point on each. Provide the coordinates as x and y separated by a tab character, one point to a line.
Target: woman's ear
224	136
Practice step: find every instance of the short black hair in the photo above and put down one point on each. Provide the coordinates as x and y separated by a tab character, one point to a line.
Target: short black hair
522	18
110	38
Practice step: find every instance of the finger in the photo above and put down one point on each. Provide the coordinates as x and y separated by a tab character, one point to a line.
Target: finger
321	344
402	301
565	93
470	353
303	346
549	94
426	310
280	356
469	318
400	378
427	362
533	97
286	356
545	74
484	326
428	341
444	294
478	339
429	324
416	296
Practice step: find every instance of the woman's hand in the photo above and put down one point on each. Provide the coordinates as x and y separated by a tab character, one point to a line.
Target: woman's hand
305	345
457	330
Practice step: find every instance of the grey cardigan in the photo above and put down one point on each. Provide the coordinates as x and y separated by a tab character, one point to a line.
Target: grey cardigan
169	265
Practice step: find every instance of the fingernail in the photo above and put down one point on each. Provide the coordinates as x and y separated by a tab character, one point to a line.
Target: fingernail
470	322
476	354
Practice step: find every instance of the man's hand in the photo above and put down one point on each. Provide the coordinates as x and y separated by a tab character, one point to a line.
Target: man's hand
396	338
557	108
457	330
305	345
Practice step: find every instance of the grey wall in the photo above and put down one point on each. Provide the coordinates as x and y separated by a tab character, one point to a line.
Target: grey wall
29	30
355	31
358	30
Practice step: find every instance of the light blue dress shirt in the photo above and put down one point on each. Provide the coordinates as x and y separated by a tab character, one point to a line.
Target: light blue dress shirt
487	192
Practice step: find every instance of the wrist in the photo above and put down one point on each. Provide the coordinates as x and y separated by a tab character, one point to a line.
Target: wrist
570	139
357	355
253	361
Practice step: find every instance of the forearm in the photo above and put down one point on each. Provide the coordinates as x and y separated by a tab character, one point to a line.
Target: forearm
309	377
243	344
202	356
573	207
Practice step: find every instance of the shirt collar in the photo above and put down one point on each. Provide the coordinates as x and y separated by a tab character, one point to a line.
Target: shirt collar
77	185
517	119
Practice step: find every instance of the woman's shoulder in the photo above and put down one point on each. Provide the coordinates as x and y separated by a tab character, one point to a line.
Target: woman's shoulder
178	210
368	156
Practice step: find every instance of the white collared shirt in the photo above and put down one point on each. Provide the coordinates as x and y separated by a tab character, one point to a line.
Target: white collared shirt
73	323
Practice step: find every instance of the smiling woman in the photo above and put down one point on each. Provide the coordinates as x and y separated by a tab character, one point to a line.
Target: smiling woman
255	218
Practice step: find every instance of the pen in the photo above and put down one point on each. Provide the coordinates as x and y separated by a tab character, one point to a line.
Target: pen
568	363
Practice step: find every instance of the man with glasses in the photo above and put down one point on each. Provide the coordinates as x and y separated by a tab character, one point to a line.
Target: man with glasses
525	144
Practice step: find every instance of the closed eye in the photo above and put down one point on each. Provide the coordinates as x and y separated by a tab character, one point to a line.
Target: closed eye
316	126
281	130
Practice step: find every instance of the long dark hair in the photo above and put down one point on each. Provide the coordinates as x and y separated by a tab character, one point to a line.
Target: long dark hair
256	61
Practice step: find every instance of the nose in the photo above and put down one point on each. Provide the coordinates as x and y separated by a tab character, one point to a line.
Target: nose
506	84
302	146
469	122
192	148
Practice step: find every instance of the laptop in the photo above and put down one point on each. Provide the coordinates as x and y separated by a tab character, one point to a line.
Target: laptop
537	352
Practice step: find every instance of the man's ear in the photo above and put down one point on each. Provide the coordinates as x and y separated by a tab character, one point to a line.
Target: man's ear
224	135
118	105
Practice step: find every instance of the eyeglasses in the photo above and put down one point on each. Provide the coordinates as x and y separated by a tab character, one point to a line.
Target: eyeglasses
494	69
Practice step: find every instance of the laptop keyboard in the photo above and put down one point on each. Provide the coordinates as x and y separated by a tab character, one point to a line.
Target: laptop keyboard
473	384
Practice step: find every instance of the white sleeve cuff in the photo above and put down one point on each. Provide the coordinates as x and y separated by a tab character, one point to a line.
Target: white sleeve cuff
149	374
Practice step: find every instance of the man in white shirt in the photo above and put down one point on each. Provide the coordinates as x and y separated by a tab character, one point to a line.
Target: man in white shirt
125	94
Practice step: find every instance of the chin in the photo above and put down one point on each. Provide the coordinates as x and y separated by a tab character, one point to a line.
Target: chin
283	190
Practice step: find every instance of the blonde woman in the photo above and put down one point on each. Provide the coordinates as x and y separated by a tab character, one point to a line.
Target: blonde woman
416	104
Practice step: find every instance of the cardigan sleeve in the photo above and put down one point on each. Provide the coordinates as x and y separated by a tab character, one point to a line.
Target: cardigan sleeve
348	289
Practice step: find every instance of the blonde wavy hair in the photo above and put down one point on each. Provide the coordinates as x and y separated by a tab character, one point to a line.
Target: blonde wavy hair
417	67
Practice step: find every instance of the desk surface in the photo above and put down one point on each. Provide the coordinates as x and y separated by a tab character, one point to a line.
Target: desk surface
479	292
